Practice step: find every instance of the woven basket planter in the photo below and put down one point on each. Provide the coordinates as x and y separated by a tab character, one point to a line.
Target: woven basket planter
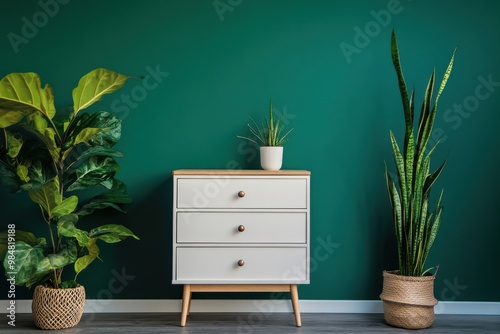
57	308
408	301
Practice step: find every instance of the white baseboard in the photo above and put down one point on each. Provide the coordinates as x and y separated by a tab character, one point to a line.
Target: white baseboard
256	305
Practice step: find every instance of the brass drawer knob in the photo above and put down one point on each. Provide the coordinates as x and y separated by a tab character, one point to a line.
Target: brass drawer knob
241	194
241	263
241	228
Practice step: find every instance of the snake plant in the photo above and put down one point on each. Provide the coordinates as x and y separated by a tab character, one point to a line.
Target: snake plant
416	226
268	133
51	156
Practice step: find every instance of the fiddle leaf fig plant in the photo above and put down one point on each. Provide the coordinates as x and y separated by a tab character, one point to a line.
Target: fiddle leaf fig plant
51	156
415	225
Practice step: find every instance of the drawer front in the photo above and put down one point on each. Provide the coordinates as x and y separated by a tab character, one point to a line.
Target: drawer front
259	193
207	264
269	227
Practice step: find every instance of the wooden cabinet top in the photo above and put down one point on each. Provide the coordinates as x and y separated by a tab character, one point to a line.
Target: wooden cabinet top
245	172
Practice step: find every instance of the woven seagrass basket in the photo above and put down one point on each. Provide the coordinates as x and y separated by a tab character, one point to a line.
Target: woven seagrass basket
408	301
57	308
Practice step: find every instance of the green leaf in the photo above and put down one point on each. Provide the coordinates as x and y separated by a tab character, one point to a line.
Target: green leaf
14	143
27	261
97	204
86	134
32	155
112	233
110	127
37	123
22	172
418	205
98	150
48	196
403	186
433	227
29	238
397	211
68	284
26	237
409	161
22	92
95	171
429	181
401	81
425	112
66	225
10	117
82	237
67	254
66	207
50	141
39	174
84	261
446	76
117	195
94	85
421	237
98	129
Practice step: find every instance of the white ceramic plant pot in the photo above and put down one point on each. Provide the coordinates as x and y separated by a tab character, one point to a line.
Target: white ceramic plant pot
271	157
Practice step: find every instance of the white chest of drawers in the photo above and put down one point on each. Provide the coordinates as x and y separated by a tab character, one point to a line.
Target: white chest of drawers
240	230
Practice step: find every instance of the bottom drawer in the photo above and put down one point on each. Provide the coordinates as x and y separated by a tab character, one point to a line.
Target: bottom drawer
265	265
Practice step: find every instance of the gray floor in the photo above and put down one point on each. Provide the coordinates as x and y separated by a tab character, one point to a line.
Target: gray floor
248	323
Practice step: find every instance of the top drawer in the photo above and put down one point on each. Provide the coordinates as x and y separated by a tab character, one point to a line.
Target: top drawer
242	193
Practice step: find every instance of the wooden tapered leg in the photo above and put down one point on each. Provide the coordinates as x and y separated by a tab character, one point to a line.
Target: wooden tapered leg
190	298
186	303
294	296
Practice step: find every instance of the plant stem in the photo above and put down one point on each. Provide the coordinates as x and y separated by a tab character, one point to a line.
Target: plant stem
56	283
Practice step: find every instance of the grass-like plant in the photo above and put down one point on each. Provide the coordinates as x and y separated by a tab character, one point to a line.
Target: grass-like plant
269	133
415	225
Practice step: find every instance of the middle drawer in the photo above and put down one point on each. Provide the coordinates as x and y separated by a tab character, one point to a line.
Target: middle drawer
241	227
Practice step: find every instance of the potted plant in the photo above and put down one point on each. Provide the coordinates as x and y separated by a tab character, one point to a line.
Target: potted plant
52	156
270	137
408	293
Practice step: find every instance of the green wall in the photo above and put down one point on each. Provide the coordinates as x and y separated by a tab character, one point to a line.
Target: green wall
326	65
